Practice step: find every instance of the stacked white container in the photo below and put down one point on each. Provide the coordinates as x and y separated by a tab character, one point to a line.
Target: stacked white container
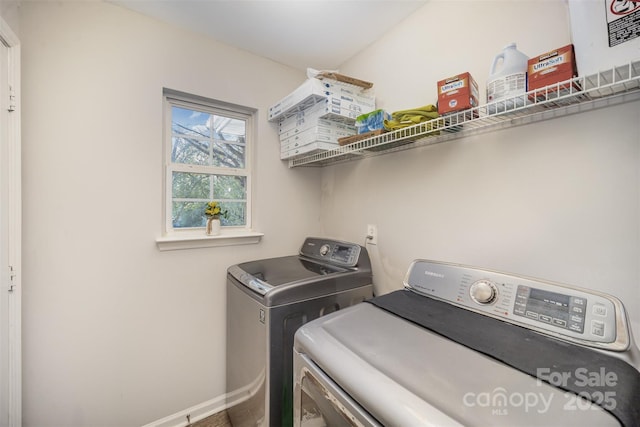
319	112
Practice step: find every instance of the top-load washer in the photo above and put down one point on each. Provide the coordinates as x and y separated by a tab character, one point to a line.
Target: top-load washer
267	300
466	346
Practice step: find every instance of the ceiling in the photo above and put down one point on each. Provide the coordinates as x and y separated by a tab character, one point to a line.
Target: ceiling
320	34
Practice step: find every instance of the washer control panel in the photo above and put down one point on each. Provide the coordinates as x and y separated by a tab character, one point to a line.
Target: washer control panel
335	252
570	313
561	310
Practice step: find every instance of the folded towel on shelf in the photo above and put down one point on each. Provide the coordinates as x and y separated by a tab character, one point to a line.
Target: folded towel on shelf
371	121
404	118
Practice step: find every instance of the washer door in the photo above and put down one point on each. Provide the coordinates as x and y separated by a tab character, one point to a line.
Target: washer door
318	401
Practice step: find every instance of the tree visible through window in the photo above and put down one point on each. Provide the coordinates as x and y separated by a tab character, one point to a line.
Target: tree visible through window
207	159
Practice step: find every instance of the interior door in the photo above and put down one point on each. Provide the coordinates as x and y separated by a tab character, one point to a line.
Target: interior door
10	233
4	244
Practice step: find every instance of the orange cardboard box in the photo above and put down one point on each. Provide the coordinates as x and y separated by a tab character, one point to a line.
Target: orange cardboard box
551	67
457	93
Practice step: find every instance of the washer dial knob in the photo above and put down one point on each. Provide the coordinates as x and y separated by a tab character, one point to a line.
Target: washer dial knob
483	292
324	249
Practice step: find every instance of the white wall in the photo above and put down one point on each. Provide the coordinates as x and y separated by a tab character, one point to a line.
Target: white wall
557	200
115	332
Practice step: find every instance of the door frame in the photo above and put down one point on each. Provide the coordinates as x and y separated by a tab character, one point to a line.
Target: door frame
12	274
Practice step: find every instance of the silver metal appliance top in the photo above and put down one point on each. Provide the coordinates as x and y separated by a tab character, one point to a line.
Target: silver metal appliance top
296	277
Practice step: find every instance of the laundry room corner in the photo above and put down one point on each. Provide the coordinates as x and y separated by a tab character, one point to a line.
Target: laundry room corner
558	199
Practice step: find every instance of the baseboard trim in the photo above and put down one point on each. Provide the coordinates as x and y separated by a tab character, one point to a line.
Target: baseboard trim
213	406
242	394
196	413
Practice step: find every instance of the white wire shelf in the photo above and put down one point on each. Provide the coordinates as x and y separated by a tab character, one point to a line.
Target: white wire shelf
614	86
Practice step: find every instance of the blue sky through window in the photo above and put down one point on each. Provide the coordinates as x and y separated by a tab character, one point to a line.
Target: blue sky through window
190	122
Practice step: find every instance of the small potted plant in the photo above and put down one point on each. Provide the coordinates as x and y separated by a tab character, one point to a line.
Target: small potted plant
213	212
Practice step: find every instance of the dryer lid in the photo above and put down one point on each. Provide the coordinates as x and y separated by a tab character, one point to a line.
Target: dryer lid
401	374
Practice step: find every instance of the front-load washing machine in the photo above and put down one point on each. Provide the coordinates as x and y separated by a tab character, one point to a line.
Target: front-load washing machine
462	346
267	301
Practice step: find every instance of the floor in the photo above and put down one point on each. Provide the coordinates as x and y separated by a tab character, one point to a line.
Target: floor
216	420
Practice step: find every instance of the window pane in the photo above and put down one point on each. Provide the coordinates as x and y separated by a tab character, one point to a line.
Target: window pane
230	187
194	132
228	129
191	185
229	155
190	122
188	214
199	189
190	150
236	213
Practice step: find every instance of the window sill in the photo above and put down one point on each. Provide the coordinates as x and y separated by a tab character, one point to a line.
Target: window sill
196	241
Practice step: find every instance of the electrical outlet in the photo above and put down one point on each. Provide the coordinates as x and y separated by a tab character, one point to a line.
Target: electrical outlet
372	234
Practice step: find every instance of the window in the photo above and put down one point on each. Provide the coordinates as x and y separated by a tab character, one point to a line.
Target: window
207	157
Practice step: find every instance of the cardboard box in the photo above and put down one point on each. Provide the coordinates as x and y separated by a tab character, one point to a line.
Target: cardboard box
314	90
307	150
348	95
320	123
346	140
314	134
457	93
549	68
321	110
351	103
309	90
604	34
345	79
339	88
309	116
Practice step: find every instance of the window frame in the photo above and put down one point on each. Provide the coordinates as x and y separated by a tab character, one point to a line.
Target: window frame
182	238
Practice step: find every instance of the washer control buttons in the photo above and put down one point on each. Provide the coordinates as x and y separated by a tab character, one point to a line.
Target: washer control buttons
599	310
597	328
483	292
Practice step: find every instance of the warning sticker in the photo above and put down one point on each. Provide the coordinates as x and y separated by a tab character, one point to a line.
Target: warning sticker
623	20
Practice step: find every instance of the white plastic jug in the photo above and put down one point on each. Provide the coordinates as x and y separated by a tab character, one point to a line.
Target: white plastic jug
508	74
